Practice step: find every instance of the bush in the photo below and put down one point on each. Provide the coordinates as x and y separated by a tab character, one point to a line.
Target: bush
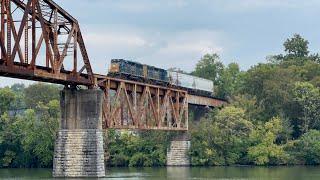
119	160
221	139
128	148
140	159
265	151
307	148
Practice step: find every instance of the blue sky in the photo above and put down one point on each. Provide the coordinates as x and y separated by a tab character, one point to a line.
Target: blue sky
176	33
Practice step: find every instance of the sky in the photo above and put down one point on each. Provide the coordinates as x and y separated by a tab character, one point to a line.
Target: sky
177	33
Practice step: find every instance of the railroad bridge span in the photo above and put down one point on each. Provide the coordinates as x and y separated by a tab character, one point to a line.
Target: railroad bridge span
40	41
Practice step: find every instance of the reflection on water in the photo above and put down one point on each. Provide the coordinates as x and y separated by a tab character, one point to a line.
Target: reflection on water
178	172
221	173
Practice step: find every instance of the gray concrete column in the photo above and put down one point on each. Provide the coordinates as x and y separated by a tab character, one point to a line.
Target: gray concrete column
79	145
177	153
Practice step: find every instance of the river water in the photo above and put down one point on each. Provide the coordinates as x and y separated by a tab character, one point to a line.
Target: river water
222	173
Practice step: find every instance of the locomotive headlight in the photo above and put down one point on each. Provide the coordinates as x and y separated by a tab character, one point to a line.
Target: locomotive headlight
114	67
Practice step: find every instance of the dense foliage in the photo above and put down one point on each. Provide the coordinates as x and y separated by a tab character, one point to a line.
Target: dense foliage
272	118
276	104
129	148
28	125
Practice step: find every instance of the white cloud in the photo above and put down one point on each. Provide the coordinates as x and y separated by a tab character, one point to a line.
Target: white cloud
184	49
115	40
149	46
198	41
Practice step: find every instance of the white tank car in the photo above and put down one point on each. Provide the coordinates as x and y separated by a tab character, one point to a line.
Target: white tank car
191	82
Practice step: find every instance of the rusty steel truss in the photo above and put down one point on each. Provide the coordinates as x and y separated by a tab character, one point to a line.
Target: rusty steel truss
41	41
134	105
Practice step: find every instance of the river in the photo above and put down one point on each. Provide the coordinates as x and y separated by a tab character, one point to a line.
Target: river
222	173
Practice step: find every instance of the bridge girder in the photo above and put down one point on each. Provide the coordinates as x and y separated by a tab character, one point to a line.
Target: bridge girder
135	105
41	41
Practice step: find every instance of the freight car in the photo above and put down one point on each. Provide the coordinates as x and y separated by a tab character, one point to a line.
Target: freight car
195	85
140	72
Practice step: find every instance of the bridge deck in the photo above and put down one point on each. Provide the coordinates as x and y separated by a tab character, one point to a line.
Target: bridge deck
205	101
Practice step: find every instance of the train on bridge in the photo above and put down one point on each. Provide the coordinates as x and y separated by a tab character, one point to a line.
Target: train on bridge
40	41
126	69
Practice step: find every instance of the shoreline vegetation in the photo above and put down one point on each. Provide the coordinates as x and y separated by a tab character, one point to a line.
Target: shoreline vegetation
272	119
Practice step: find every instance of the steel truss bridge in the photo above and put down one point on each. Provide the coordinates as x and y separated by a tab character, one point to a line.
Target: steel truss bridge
40	41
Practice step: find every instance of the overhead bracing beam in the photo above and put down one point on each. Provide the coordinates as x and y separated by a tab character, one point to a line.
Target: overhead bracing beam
40	41
55	39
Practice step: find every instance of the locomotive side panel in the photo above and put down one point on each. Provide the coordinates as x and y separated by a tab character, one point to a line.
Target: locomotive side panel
157	74
133	69
120	66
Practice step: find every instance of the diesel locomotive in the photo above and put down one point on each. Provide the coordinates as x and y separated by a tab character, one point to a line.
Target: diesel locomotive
125	69
137	71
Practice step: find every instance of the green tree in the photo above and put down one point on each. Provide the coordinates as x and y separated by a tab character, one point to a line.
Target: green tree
310	72
308	97
266	151
297	53
271	85
18	105
41	128
129	148
40	93
230	81
18	88
306	150
202	152
209	67
296	46
7	97
249	104
221	139
9	141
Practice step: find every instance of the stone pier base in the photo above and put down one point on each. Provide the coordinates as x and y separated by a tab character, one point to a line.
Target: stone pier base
79	145
79	153
177	154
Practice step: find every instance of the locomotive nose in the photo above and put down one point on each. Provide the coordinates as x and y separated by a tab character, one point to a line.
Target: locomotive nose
114	68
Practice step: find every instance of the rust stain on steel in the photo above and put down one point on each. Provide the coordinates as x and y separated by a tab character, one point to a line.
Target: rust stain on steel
59	39
127	104
133	105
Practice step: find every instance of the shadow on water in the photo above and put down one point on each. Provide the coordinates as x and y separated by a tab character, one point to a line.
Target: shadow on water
221	173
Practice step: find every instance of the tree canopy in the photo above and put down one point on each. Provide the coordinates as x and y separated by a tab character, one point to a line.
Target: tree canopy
280	101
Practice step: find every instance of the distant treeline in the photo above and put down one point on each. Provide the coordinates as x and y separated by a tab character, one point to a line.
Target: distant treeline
273	118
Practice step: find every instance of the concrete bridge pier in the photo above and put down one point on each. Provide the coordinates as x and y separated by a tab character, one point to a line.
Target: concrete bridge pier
79	144
177	153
